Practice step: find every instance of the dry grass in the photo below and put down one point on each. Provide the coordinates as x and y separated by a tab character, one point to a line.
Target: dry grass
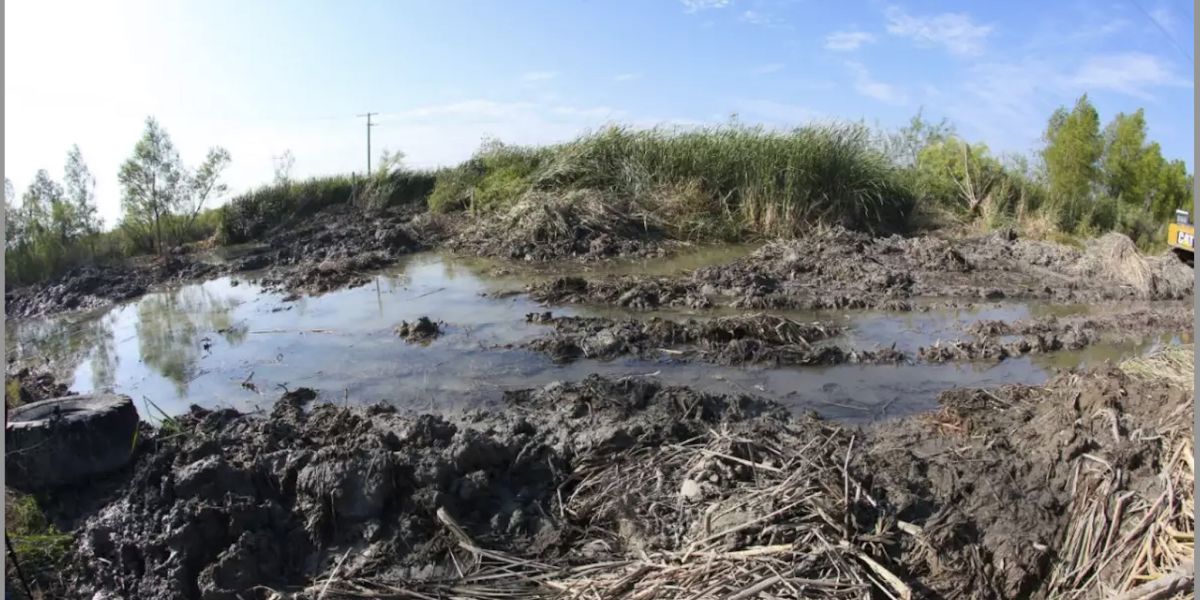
720	516
1131	542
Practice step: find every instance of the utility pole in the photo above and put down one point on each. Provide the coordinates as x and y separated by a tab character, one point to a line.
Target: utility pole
369	126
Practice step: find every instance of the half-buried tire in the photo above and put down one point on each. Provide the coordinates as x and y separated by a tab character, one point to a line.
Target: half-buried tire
67	440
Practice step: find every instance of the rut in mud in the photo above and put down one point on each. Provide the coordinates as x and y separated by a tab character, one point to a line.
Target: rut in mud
630	488
840	269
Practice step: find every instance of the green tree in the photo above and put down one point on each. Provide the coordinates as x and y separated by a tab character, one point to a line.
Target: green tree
1072	156
159	191
1124	153
80	189
150	181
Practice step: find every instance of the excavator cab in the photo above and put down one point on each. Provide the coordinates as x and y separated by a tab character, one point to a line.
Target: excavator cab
1181	235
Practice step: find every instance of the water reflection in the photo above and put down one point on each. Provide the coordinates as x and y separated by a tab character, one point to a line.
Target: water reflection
169	328
198	343
63	344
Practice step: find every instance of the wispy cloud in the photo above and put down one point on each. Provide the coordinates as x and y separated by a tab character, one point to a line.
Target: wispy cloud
1130	73
868	86
761	19
844	41
539	75
700	5
767	69
627	76
956	32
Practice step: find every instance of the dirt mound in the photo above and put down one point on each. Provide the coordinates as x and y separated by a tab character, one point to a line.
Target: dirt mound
1114	258
229	502
763	339
1035	492
94	286
577	225
422	331
1166	317
335	248
839	269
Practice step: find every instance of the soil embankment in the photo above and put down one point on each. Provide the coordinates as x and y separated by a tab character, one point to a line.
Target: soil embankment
632	489
840	269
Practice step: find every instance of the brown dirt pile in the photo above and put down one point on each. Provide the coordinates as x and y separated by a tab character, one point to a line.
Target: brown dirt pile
335	248
838	269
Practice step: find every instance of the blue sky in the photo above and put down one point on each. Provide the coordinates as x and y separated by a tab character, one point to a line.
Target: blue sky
267	76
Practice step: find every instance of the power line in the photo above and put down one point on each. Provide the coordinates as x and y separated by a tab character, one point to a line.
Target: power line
369	126
1164	31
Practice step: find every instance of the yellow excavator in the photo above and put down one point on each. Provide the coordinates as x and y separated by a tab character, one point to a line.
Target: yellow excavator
1181	235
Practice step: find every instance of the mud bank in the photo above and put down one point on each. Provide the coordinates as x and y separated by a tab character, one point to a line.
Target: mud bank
337	248
96	286
761	339
775	340
627	488
839	269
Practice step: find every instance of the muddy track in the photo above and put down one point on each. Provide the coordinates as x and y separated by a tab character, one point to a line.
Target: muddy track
985	498
839	269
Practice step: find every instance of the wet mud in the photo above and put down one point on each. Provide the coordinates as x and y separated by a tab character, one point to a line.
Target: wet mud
779	341
339	247
95	286
988	497
735	340
840	269
421	331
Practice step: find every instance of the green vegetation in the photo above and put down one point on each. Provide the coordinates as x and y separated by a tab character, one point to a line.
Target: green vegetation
55	227
729	180
40	547
250	215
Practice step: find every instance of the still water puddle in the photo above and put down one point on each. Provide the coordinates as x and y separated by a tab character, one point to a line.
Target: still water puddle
225	343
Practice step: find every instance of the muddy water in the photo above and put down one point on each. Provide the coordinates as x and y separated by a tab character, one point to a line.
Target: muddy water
226	343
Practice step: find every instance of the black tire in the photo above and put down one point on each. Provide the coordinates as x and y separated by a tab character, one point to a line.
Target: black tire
63	441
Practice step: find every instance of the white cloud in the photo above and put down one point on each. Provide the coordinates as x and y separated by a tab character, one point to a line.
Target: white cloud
760	19
692	6
956	32
843	41
1130	73
539	75
867	86
767	69
627	76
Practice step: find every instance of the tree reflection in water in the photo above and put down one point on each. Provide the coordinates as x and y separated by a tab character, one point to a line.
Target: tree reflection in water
60	344
171	327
